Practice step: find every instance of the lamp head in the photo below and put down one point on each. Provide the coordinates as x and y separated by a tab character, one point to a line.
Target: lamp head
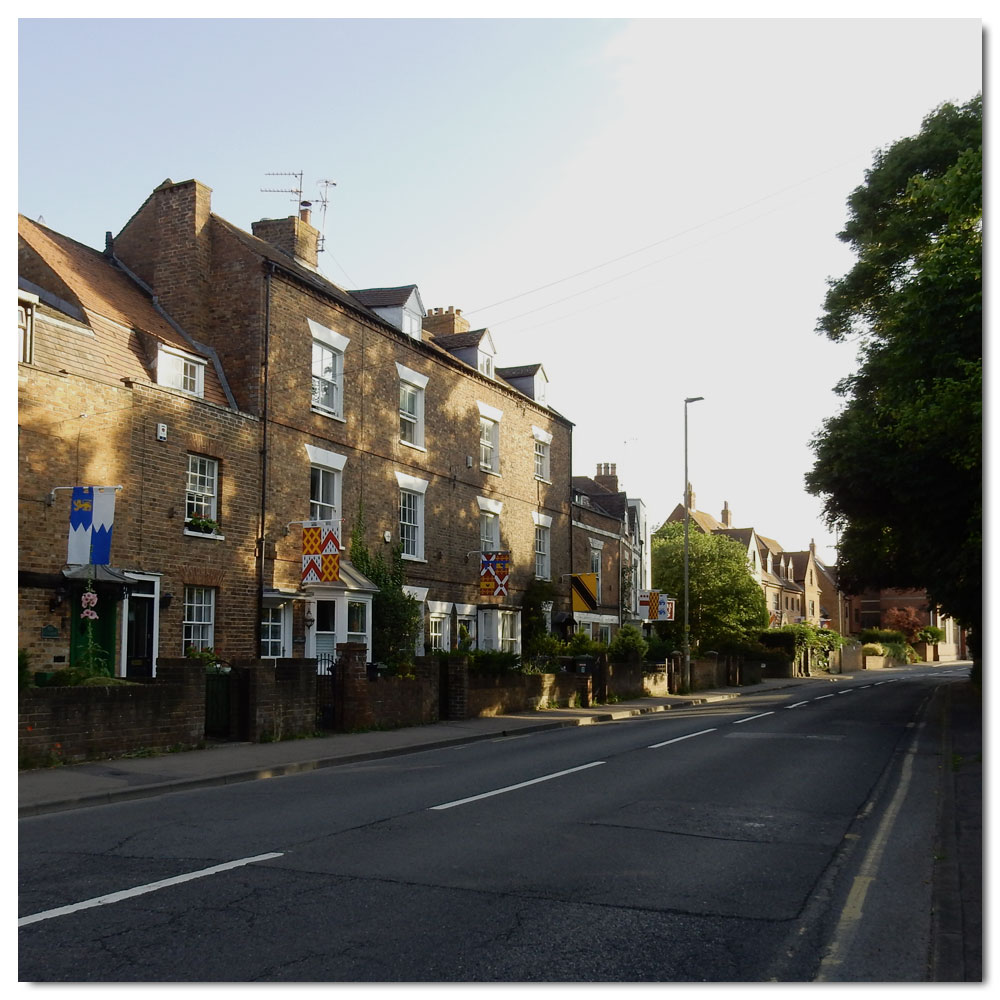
693	399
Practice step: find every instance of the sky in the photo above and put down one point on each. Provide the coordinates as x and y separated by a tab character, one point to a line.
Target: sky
648	207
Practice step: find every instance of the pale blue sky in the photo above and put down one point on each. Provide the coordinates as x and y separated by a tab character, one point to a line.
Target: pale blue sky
485	159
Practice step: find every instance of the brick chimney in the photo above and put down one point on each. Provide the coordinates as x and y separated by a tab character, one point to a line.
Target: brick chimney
168	244
689	498
294	236
445	321
607	476
727	515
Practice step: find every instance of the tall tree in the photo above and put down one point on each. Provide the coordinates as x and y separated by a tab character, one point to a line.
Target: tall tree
725	599
899	469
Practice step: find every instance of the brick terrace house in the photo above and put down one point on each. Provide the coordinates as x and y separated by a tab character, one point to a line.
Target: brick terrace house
610	541
112	392
286	399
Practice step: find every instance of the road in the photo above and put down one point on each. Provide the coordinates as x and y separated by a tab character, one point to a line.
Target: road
781	837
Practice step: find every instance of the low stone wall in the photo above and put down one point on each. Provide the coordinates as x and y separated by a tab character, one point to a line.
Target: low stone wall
708	673
937	652
503	694
848	659
79	723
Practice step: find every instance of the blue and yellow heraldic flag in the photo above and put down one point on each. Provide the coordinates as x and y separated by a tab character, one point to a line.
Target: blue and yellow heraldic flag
91	521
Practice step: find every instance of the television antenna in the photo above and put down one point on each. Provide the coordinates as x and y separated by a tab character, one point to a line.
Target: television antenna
322	199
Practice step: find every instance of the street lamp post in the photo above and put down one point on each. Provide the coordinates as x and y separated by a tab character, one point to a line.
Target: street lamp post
686	674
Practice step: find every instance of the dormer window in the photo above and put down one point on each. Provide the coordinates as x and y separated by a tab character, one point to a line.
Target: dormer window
485	364
178	370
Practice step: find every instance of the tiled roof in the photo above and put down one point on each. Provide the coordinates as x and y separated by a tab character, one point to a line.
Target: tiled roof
705	522
127	327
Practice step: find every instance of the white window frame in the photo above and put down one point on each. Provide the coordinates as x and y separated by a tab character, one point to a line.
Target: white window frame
467	616
330	462
277	617
324	491
353	602
439	625
484	363
499	629
417	384
26	303
198	627
489	523
201	488
326	340
179	370
413	489
597	550
543	553
543	448
489	438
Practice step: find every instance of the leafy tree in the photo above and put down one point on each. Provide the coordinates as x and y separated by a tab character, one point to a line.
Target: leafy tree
726	601
535	636
899	469
905	620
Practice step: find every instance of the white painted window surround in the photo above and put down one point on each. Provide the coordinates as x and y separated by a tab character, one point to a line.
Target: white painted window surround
412	386
411	515
328	352
489	437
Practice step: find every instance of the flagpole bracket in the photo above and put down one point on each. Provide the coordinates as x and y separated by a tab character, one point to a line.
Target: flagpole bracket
51	498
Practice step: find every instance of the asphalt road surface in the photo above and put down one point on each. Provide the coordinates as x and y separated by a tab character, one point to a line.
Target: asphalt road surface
781	837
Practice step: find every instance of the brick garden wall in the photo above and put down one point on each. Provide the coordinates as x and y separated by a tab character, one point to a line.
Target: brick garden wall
78	723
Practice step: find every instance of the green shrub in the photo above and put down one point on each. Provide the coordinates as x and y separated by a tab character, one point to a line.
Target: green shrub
493	661
931	634
873	649
882	635
23	668
659	648
628	646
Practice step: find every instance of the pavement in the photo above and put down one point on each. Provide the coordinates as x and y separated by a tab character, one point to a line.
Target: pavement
956	714
72	786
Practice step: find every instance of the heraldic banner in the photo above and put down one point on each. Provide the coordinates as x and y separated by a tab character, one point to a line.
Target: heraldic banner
494	572
91	521
320	552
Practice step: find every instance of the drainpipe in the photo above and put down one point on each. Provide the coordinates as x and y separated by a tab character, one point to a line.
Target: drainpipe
263	457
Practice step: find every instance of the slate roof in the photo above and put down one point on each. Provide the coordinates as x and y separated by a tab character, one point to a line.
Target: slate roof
520	371
456	341
307	275
601	498
378	298
84	284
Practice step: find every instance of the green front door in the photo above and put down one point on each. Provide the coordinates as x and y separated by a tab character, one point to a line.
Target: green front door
103	628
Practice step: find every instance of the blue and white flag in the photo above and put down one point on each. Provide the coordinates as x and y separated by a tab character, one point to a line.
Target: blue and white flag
91	519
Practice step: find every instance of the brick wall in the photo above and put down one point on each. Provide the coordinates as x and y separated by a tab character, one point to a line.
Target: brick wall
116	444
78	723
368	437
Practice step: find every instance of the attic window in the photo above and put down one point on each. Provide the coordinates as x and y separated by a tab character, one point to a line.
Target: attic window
412	324
178	370
485	364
